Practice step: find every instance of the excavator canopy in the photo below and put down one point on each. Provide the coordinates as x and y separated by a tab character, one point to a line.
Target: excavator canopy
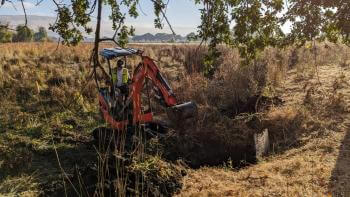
110	53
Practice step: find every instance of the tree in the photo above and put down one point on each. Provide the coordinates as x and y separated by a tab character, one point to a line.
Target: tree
258	24
41	35
24	34
191	36
5	35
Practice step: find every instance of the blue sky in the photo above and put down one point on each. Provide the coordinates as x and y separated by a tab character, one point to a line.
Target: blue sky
183	15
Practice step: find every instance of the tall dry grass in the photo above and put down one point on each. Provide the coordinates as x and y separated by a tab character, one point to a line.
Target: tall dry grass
47	97
49	107
229	114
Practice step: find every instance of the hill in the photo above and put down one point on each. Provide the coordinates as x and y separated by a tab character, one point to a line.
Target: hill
35	22
159	37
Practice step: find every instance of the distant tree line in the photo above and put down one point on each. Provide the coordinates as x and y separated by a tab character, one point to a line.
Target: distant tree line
163	37
23	34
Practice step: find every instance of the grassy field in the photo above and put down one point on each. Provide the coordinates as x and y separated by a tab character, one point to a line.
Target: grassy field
49	108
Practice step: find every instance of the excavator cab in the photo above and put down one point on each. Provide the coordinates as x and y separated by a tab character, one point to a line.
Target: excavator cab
129	111
112	98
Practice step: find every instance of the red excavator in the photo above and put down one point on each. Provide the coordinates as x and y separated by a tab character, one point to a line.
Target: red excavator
130	111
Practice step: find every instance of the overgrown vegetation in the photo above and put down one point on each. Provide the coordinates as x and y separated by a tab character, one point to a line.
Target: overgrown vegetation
238	96
49	109
305	133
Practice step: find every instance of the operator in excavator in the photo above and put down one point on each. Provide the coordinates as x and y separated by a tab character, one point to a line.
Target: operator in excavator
120	77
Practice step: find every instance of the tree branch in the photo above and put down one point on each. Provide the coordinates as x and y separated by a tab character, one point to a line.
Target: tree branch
25	13
166	19
95	60
117	29
56	3
39	2
165	9
171	28
92	8
113	39
108	39
13	5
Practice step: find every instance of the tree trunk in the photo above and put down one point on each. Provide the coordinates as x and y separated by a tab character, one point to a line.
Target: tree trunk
98	27
96	62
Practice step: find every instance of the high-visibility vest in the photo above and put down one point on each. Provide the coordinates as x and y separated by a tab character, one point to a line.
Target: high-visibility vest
125	75
114	77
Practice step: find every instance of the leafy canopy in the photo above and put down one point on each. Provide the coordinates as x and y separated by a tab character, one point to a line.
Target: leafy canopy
74	17
257	24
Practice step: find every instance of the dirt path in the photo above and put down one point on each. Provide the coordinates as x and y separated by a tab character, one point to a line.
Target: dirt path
319	167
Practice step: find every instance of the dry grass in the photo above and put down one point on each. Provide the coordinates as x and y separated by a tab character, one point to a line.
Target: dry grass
308	133
48	111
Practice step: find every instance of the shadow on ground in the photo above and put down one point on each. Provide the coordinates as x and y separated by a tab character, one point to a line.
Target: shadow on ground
52	170
340	179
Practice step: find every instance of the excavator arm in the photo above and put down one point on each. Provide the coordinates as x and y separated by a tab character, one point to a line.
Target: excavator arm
175	111
148	69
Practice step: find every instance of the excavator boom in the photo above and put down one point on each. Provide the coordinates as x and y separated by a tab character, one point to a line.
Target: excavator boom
175	111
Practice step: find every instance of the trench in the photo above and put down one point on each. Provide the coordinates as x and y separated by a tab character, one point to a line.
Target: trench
234	143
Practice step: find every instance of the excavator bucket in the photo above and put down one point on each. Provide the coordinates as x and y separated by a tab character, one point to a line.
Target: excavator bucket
179	113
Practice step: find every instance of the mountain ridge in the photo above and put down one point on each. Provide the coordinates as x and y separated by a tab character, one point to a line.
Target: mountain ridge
36	21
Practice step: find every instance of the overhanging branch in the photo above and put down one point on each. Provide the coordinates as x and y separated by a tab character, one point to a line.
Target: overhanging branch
166	18
25	13
39	2
108	39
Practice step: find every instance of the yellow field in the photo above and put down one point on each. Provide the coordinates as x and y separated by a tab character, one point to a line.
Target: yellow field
49	108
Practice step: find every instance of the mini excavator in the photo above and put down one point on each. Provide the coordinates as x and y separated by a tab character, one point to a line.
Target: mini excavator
130	112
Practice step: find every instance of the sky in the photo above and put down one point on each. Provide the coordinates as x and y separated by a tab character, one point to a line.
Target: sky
183	15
